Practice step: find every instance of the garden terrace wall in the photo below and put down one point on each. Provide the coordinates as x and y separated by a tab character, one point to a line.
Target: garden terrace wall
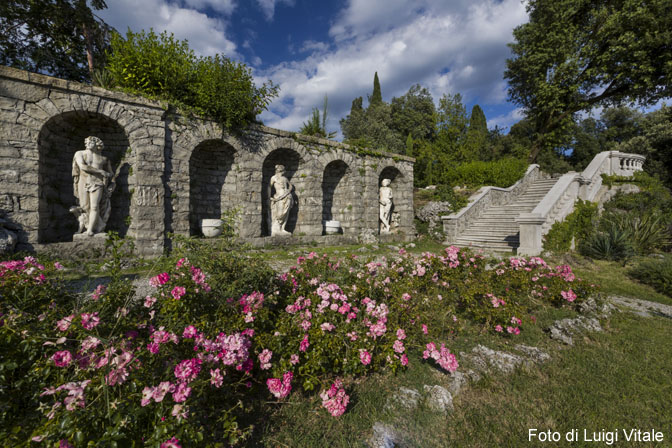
175	170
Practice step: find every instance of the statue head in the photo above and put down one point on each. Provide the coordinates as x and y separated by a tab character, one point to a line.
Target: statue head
386	182
92	142
279	169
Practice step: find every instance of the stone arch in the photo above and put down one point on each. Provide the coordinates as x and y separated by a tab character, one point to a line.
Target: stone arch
291	160
212	188
183	138
284	143
337	194
59	138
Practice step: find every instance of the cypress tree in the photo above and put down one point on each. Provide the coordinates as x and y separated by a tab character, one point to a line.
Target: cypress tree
409	145
376	97
477	135
477	122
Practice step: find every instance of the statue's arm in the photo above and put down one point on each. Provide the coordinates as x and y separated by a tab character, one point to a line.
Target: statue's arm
87	168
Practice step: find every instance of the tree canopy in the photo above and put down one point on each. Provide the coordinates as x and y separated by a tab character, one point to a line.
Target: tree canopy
574	55
58	37
162	67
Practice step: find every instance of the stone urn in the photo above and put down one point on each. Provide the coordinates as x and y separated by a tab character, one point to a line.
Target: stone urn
211	227
332	227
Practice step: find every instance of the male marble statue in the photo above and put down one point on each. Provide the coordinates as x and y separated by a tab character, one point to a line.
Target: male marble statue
281	202
91	173
385	201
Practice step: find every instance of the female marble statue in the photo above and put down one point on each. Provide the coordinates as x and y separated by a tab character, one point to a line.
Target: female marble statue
385	201
281	202
91	172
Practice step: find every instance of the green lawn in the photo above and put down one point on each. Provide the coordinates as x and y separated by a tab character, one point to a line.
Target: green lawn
616	380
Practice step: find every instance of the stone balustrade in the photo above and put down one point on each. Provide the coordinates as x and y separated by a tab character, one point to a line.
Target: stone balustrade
559	201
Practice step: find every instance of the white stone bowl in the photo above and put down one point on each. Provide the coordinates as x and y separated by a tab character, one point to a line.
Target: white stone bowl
211	227
332	227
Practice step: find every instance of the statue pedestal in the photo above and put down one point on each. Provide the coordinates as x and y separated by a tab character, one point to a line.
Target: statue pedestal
84	236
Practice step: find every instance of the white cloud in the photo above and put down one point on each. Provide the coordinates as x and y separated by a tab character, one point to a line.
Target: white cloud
268	7
311	45
449	47
225	7
206	35
506	120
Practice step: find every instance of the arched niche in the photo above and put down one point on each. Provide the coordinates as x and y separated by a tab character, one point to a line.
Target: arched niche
212	188
337	200
291	160
396	180
59	139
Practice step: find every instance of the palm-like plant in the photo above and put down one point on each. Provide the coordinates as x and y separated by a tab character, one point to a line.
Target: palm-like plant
315	126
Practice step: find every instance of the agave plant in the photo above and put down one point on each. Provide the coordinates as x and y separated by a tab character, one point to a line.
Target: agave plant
103	78
647	232
613	244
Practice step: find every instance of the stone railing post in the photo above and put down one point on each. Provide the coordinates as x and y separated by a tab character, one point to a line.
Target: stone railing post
530	233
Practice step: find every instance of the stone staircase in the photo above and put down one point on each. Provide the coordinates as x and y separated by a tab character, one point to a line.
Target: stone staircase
496	230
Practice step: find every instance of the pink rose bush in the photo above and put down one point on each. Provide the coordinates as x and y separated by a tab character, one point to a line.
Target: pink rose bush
199	343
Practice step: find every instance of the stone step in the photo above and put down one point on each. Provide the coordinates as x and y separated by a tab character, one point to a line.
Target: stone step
496	230
490	240
510	228
485	248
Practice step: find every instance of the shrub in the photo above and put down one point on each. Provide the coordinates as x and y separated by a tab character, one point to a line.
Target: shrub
646	233
189	356
446	193
656	273
613	244
164	68
577	226
499	173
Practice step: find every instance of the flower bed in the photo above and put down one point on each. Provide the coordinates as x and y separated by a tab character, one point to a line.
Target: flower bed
161	370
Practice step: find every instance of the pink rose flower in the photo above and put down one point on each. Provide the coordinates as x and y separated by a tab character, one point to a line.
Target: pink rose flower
178	292
62	358
304	344
364	357
90	320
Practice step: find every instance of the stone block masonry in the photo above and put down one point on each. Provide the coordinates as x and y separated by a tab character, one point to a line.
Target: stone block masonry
173	171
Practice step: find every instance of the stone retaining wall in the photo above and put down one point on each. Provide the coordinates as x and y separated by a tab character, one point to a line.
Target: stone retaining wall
173	171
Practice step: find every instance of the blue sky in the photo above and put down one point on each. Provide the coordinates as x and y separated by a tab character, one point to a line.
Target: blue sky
312	48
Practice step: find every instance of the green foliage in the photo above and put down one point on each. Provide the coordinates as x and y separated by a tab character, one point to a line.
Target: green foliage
315	126
612	244
577	226
500	173
653	140
317	319
53	37
646	232
574	55
446	193
409	145
452	124
656	273
414	114
165	68
376	97
477	134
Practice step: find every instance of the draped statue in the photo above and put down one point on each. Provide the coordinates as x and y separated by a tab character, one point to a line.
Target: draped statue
281	202
91	173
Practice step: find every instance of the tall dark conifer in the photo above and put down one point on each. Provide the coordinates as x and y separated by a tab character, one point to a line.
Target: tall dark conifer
376	97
